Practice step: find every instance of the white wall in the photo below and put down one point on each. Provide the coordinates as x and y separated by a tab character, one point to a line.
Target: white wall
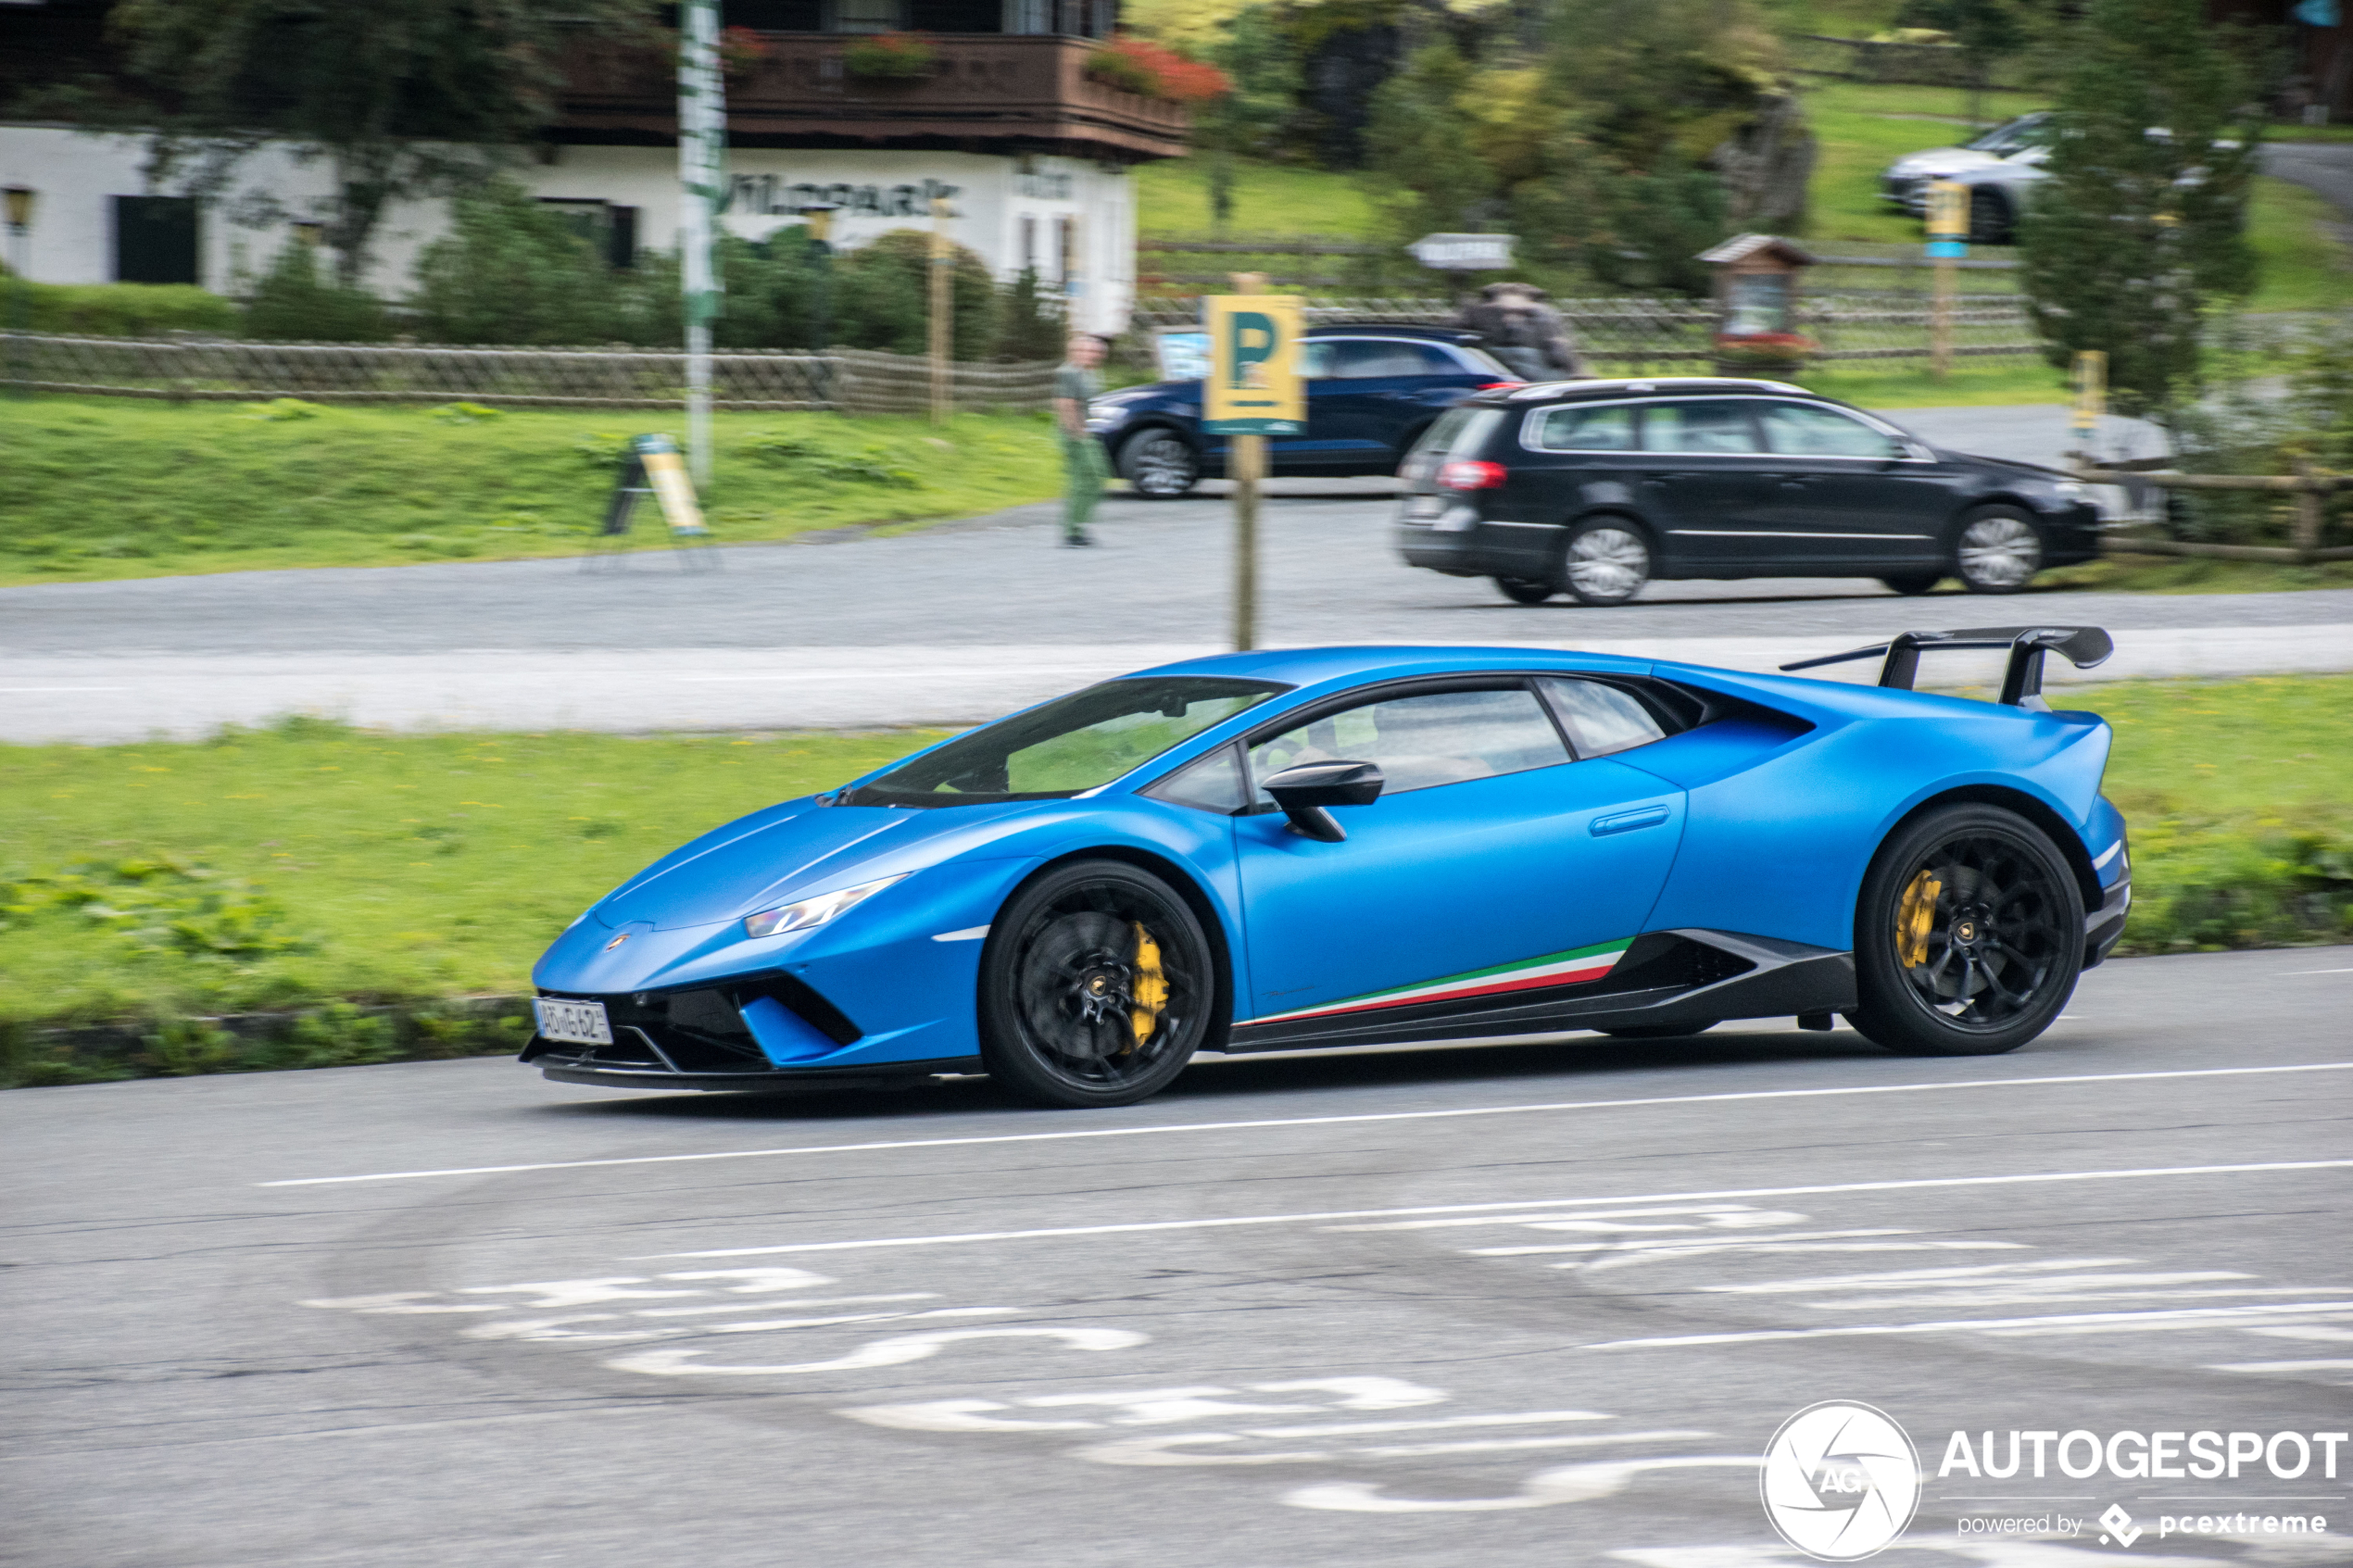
989	195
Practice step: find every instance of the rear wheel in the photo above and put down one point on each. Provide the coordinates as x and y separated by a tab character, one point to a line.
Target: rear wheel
1989	217
1097	984
1911	584
1999	550
1158	463
1525	590
1605	561
1969	937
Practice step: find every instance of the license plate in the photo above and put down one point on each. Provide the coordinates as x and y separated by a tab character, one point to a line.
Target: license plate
578	1023
1423	507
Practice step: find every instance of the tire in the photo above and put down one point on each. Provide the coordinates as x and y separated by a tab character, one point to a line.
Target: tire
1605	560
1662	1030
1989	217
1158	463
1911	584
1978	887
1997	550
1064	981
1525	590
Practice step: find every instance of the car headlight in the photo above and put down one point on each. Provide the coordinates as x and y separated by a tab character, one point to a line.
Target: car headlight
2067	487
814	912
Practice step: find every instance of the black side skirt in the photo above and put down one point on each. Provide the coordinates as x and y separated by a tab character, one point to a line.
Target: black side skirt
1687	977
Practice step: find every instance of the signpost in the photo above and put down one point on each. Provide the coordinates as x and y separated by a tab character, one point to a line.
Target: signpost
2091	400
943	312
650	466
1948	203
702	144
1465	252
1252	391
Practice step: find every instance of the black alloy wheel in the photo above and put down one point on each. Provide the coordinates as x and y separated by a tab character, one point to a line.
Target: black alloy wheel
1097	985
1998	550
1989	216
1605	560
1911	584
1525	590
1969	937
1158	464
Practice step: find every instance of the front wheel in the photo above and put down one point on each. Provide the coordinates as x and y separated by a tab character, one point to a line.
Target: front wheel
1097	985
1999	551
1525	590
1969	935
1605	561
1158	464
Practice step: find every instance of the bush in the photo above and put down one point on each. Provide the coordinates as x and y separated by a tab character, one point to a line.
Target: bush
882	300
291	304
117	309
512	271
1029	320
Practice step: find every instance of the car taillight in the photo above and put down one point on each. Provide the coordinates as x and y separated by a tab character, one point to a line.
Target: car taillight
1499	385
1466	473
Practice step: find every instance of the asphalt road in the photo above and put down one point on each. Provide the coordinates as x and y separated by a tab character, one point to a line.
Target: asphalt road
961	623
2322	167
1496	1305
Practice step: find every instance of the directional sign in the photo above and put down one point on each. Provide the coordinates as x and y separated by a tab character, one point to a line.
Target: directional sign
1948	203
1465	252
1253	387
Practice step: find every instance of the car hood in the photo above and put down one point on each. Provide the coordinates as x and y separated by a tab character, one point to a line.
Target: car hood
2004	465
1935	162
794	850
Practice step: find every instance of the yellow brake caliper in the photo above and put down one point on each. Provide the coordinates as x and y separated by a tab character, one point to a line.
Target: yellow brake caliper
1149	990
1915	918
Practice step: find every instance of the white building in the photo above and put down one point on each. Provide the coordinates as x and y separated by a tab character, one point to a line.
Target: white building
1032	153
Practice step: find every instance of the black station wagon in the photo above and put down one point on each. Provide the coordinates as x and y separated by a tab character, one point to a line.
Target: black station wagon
1594	487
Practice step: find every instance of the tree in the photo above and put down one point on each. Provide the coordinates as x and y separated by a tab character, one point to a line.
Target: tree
2139	229
1432	171
1257	57
404	98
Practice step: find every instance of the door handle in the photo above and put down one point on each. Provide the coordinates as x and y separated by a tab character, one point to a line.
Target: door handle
1626	822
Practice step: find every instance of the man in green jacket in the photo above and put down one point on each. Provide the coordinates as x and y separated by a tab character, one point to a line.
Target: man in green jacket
1085	468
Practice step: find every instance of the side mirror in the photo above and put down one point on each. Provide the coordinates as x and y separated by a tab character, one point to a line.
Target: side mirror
1304	791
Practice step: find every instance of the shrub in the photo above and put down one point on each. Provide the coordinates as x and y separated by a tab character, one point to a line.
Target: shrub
882	300
117	309
888	56
1029	320
512	271
293	304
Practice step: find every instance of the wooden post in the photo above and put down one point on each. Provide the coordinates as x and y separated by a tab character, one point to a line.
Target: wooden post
2311	497
1940	343
943	313
2091	402
1246	465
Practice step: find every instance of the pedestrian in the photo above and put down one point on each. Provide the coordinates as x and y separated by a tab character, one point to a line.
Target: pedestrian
1085	468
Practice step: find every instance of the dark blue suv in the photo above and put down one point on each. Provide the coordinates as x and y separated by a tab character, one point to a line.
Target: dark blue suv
1371	391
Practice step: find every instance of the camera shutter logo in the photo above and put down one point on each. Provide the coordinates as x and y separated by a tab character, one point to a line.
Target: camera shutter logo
1840	1481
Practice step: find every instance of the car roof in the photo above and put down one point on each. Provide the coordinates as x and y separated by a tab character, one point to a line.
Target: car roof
1621	386
1384	329
1344	667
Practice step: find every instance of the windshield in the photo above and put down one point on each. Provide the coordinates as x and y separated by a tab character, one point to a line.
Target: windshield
1072	744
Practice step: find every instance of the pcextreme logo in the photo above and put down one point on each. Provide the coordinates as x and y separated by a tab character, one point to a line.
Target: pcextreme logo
1840	1481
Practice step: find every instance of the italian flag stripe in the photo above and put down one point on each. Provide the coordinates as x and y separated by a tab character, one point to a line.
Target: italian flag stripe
1527	974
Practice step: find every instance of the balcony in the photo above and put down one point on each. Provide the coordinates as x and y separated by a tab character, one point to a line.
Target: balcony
989	93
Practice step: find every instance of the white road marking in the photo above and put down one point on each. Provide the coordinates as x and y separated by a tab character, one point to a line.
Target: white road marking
1907	1279
1172	1450
1320	1121
678	1360
2072	1323
2295	972
1570	1483
2281	1366
1911	1186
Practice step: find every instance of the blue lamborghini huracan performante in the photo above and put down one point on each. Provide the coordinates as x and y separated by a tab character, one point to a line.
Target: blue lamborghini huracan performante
1338	847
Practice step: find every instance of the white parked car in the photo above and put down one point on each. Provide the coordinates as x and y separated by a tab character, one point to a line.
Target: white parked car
1905	182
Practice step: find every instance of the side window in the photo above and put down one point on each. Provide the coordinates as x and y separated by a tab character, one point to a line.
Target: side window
1315	359
1809	431
1210	784
1573	429
1420	742
1374	358
1706	426
1601	719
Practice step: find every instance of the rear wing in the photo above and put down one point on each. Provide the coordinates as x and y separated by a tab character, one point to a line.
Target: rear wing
2021	680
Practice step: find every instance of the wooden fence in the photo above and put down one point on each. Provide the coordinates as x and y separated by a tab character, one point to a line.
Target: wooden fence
850	380
2310	487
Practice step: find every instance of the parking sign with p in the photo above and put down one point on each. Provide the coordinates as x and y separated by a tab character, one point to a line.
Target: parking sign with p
1254	386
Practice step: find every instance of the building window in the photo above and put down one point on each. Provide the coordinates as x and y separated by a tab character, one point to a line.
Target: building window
611	230
1029	15
1029	242
865	16
154	240
1067	237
